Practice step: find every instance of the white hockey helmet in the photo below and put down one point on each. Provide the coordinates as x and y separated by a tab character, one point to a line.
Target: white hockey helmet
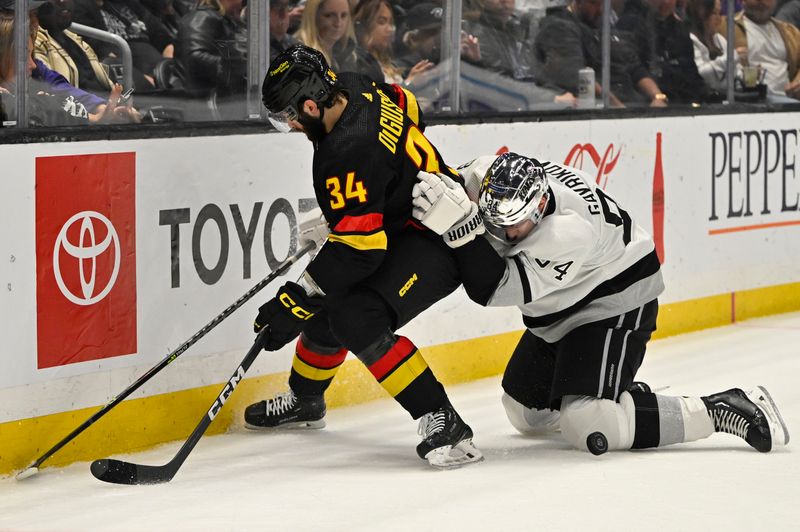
512	191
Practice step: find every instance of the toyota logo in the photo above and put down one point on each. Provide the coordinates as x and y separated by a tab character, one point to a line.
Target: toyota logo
86	251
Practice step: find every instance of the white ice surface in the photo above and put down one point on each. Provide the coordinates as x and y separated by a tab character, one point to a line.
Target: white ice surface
361	472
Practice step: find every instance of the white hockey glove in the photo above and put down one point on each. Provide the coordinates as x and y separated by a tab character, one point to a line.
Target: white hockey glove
313	228
466	229
439	202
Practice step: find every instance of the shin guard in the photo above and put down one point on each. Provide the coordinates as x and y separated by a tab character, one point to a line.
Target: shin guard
314	366
398	366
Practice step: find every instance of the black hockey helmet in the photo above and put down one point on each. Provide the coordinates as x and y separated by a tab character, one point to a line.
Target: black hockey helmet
297	74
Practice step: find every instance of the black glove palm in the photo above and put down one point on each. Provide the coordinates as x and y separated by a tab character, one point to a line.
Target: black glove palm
286	315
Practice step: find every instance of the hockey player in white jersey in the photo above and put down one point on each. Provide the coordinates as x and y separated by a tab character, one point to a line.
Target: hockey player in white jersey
543	237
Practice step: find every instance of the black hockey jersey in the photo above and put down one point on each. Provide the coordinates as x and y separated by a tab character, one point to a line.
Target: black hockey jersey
364	170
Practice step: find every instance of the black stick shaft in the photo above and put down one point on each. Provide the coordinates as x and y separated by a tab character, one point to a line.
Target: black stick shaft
119	472
174	354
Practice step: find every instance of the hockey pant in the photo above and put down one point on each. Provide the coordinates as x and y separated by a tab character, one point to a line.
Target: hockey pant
579	384
418	271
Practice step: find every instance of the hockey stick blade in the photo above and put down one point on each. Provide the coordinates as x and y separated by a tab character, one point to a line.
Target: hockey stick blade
33	468
120	472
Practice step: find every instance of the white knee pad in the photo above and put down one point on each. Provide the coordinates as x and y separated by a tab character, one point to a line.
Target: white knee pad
530	420
582	415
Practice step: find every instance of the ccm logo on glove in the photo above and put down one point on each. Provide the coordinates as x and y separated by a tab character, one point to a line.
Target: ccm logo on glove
295	309
286	315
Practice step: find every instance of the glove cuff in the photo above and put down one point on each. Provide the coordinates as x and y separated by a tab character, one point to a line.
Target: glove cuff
466	230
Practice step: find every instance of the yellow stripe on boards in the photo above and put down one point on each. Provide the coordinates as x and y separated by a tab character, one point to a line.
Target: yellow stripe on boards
765	301
310	372
361	242
404	375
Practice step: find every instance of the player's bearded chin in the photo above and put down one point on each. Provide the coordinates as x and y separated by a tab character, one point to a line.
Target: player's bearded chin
314	128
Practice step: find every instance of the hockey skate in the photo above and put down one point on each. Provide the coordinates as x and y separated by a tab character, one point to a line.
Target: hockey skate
446	439
750	415
287	411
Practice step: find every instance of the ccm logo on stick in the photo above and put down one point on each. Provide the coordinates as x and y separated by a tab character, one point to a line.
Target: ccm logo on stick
217	406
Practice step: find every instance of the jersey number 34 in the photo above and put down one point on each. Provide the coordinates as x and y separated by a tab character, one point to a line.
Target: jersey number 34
352	190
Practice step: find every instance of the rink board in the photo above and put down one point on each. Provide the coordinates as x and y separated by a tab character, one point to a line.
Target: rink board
199	220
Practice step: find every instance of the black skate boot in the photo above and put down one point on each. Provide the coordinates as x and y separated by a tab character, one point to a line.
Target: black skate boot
287	411
752	416
446	439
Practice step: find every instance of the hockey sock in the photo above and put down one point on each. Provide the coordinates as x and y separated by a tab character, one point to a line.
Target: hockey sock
314	366
398	366
663	420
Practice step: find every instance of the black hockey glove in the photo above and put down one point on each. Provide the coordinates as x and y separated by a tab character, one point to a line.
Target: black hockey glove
286	315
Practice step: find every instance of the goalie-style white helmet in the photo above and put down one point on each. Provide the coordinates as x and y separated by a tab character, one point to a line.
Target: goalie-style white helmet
512	191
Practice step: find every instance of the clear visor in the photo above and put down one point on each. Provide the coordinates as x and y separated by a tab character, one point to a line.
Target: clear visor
280	121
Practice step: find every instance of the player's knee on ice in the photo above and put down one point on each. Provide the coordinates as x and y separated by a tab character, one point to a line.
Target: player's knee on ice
530	420
582	415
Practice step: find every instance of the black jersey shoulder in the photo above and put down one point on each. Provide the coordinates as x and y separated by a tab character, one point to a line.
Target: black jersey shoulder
372	124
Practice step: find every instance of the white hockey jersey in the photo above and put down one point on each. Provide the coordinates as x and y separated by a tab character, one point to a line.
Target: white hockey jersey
585	261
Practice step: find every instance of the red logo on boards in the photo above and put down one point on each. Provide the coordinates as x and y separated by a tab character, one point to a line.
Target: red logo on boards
85	257
604	164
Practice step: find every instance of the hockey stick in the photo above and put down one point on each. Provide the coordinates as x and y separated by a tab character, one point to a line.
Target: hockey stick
119	472
282	267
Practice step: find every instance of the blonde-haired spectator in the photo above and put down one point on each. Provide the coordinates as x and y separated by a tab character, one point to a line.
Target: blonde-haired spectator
327	25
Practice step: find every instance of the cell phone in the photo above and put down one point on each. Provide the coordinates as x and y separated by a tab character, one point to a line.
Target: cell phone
123	99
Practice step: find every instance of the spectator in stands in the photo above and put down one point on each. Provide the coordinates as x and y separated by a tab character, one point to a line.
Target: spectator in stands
296	8
279	19
52	100
662	41
212	48
373	22
505	46
66	52
789	12
375	28
327	25
147	37
710	47
422	38
771	43
568	39
164	11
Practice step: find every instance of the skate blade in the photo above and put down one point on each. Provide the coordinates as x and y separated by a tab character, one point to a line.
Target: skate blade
453	457
777	426
296	425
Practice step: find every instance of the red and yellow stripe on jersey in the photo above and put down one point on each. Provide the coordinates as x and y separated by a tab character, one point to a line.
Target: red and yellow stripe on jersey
399	367
364	232
408	103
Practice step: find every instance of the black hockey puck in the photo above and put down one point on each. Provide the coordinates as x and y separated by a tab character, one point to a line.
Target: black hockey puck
597	443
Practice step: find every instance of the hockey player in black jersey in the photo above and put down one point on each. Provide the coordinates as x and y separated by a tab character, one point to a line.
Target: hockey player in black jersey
586	278
377	269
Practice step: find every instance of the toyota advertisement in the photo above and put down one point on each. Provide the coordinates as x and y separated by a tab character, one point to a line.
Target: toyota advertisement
85	257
